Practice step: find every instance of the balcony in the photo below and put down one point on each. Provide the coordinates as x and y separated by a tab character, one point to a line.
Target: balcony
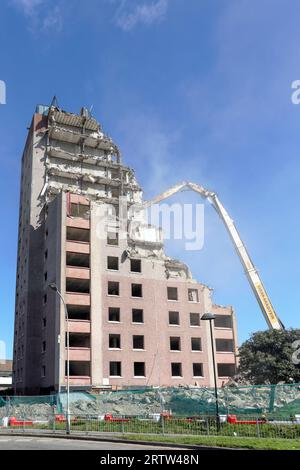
80	372
77	286
225	357
80	340
80	260
80	354
80	326
77	273
78	210
79	312
78	199
78	299
226	370
221	333
224	345
223	321
80	380
78	222
80	344
78	247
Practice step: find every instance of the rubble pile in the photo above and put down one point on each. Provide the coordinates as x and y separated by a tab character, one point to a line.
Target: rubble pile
186	401
24	411
181	401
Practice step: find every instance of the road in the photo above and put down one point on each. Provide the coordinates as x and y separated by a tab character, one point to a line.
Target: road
48	443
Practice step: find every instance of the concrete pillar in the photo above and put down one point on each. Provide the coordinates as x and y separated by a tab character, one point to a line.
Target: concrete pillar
96	297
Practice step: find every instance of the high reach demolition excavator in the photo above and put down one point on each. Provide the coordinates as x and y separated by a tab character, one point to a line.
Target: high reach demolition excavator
253	277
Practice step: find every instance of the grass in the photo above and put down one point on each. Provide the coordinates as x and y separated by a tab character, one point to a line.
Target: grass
238	441
195	429
222	441
274	437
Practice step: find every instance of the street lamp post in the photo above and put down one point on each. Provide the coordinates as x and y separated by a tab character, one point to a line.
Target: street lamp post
54	287
210	317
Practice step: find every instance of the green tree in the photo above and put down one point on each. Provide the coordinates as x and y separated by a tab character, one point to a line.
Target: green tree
271	356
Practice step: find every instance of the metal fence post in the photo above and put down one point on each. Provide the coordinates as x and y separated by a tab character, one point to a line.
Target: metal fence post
7	406
53	423
272	398
123	426
257	428
207	425
162	424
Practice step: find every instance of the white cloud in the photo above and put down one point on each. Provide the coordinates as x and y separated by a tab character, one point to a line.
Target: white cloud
53	21
46	15
146	13
43	15
28	7
154	146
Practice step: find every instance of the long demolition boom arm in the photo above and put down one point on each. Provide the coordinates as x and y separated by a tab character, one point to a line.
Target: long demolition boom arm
253	277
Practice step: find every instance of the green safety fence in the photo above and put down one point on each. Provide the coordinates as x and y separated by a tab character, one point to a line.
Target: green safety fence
280	400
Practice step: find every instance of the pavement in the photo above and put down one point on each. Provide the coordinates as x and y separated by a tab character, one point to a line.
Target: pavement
54	443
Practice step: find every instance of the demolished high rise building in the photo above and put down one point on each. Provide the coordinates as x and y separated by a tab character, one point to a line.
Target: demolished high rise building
134	313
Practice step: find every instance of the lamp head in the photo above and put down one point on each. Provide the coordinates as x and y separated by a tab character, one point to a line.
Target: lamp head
208	316
53	286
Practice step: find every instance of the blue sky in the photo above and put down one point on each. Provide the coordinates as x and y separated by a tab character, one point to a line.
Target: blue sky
189	89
